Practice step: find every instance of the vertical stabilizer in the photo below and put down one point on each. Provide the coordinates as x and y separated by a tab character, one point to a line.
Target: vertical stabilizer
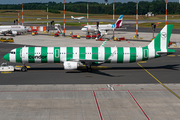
161	41
119	21
72	17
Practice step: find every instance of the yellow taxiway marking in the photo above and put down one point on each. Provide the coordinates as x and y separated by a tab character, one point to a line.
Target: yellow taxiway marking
171	55
142	62
159	81
6	72
178	55
22	66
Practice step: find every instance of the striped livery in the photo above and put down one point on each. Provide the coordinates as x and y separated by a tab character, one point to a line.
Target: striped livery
155	49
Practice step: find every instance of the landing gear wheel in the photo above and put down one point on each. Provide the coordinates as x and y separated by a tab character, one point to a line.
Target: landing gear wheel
89	68
24	69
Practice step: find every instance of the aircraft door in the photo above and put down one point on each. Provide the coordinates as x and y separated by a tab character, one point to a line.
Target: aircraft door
56	53
146	53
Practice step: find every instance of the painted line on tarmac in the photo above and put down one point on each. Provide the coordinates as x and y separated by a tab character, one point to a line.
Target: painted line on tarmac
97	105
138	105
6	72
159	82
99	89
142	62
171	55
178	55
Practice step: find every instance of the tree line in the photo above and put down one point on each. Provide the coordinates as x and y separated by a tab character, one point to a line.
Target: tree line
129	8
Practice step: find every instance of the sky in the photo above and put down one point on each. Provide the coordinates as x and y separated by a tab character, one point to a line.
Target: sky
57	1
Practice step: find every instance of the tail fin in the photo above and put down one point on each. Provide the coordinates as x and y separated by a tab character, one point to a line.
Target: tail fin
119	21
72	17
161	41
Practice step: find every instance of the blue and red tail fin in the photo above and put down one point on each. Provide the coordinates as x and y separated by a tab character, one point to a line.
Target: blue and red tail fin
119	21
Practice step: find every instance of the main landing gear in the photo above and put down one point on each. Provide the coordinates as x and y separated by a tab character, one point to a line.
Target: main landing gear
89	68
24	68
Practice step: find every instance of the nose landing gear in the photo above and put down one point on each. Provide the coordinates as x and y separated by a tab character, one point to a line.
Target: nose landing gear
24	68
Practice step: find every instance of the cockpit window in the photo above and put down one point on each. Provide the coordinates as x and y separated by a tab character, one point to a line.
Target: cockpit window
13	52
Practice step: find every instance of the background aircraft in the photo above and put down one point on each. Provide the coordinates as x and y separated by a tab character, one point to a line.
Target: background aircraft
104	28
74	57
13	29
77	18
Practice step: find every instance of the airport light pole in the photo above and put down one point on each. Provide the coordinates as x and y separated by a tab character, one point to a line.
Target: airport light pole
47	16
18	17
64	17
22	14
137	19
166	12
87	16
113	17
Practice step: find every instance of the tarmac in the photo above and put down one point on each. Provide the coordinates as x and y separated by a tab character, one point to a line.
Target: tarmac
135	91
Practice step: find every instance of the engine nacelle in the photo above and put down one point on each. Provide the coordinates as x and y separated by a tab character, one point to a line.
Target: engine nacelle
14	32
70	65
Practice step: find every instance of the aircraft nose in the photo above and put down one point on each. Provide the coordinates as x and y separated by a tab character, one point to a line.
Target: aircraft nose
83	29
6	57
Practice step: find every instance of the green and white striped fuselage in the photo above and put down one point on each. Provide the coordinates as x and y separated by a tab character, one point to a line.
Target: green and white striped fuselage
62	54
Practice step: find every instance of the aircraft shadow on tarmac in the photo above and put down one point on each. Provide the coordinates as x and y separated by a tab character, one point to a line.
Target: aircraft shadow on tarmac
170	67
99	71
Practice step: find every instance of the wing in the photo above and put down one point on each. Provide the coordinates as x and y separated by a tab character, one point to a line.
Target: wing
4	31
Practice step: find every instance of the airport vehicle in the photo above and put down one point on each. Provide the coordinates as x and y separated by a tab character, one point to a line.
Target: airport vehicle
104	28
13	29
5	67
34	32
74	57
77	18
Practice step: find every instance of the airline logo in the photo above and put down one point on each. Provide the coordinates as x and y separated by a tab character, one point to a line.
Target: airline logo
15	26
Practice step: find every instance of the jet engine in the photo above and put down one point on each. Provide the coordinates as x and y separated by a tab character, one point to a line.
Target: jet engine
14	32
71	65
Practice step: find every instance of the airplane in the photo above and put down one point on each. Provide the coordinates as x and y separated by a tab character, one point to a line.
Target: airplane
104	28
13	29
74	57
77	18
